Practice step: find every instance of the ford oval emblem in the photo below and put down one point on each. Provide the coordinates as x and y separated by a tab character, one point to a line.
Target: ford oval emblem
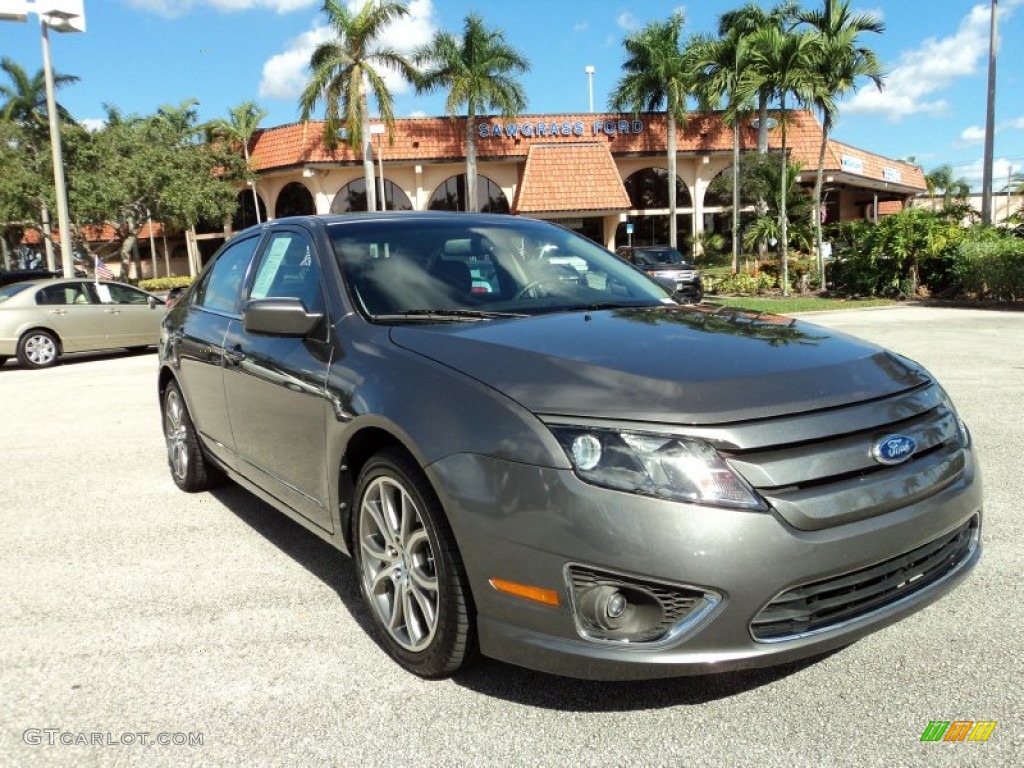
894	449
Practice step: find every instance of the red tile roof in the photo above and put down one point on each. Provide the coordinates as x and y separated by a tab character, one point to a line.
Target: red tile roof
595	181
441	138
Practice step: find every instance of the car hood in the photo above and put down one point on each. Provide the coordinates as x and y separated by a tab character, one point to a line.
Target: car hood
680	365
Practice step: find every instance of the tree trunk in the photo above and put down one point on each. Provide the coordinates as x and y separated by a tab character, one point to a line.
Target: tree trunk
736	196
51	260
672	226
762	124
6	251
472	204
252	185
783	216
368	174
818	184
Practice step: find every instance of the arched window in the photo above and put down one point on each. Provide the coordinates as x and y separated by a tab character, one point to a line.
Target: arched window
648	190
245	214
719	191
450	195
352	197
295	200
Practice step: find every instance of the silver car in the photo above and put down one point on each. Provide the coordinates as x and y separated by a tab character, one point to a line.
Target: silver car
40	320
580	476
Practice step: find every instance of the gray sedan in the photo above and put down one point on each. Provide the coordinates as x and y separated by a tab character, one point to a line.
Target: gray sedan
569	472
42	319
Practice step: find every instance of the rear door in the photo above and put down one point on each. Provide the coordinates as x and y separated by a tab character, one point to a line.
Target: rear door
130	319
199	339
71	310
276	387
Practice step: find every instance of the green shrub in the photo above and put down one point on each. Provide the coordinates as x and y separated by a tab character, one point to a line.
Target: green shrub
991	268
165	283
743	284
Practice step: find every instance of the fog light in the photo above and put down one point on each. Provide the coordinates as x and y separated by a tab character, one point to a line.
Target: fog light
616	605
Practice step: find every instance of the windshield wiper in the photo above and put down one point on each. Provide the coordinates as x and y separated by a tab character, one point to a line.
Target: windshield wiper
427	315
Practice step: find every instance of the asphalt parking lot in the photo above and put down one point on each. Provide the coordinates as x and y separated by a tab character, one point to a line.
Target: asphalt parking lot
131	613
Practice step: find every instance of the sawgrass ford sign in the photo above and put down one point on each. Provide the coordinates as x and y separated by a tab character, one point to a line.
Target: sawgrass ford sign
545	128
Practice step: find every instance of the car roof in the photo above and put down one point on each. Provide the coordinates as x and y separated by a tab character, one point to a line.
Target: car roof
316	221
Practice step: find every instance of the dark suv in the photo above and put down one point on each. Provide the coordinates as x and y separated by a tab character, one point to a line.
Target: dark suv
668	267
531	450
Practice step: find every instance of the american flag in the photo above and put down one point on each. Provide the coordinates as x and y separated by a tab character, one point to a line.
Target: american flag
102	270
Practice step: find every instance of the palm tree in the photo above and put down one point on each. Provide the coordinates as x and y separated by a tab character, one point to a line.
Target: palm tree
942	180
782	64
477	69
345	69
182	120
657	73
243	121
717	64
745	22
841	62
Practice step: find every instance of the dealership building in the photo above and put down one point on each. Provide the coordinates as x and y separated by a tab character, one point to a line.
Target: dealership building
595	173
603	175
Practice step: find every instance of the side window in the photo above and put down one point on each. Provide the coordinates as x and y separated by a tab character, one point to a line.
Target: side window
113	293
221	288
289	269
73	293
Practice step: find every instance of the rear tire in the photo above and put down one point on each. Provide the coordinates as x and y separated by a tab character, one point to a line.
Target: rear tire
190	469
410	571
38	349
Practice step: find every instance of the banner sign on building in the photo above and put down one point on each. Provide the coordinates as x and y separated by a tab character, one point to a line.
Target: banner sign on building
852	164
543	129
892	174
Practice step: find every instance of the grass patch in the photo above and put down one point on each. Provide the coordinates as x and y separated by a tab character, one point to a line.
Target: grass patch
785	306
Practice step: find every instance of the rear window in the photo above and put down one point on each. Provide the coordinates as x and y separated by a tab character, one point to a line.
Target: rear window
11	290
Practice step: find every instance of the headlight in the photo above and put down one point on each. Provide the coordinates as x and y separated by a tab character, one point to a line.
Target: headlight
962	432
677	468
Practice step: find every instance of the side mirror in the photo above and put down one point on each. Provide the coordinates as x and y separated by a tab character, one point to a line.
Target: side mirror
153	302
279	317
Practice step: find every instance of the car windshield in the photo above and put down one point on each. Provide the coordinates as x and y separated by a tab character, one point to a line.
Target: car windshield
10	290
648	257
409	268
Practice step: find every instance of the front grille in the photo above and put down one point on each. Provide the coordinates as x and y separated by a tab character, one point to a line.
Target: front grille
828	604
822	473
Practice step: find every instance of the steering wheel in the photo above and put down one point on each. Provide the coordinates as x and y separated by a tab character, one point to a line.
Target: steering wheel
533	286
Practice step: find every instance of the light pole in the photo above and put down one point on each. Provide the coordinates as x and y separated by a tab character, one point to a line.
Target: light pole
589	69
990	121
61	16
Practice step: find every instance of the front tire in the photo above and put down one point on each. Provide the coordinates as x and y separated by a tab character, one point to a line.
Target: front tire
190	469
410	572
38	349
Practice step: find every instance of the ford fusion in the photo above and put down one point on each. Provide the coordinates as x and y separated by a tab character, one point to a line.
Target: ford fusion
532	452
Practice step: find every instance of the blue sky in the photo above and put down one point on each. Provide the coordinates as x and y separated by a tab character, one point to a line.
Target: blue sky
140	54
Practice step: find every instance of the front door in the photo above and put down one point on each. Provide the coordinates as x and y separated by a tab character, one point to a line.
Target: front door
276	387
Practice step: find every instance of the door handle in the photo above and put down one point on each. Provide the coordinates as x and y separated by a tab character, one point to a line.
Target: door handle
234	357
112	311
58	311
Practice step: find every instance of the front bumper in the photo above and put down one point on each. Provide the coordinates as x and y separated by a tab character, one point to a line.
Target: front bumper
526	524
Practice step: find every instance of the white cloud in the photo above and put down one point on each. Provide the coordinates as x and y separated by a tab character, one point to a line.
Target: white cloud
973	173
285	74
627	21
973	134
93	124
1017	124
175	8
915	85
